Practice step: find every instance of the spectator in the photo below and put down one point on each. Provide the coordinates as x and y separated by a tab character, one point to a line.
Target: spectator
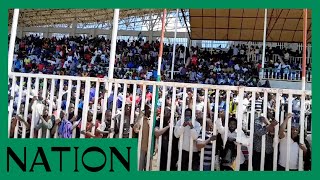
188	131
263	127
207	144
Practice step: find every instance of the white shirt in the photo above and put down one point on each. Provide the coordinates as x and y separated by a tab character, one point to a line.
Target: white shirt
245	70
200	106
296	105
149	74
69	58
187	134
308	105
37	108
66	64
294	153
235	51
243	139
236	67
102	126
245	104
103	57
286	56
181	55
139	69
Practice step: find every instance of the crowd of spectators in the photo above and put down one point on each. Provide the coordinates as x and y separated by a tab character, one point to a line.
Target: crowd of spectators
78	56
89	57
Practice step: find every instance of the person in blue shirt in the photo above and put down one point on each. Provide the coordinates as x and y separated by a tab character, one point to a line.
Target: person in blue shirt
17	65
222	105
155	74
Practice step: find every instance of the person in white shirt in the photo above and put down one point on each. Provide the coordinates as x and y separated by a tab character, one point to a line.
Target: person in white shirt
245	104
235	51
103	130
230	151
286	56
236	67
189	131
296	107
295	146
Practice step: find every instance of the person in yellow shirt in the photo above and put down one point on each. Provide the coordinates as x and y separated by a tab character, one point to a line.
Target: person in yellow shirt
233	108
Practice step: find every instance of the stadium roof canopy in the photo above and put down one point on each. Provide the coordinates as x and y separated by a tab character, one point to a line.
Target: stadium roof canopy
42	17
283	25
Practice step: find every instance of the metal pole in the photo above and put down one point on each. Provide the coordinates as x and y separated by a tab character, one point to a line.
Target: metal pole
185	49
264	42
161	44
158	76
174	43
113	48
13	36
304	51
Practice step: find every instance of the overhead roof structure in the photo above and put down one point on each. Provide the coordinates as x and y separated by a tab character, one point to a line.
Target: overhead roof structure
283	25
43	17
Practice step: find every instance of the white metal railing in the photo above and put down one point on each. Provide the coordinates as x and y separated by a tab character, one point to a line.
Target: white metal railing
254	57
292	60
298	60
290	75
46	82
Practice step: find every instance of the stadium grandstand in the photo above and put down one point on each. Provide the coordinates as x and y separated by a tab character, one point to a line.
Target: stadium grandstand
201	89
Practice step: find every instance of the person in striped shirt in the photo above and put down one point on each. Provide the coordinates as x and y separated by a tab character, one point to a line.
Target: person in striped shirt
206	143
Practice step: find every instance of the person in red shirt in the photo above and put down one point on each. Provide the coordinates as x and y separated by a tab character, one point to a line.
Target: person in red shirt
100	75
259	67
194	60
40	67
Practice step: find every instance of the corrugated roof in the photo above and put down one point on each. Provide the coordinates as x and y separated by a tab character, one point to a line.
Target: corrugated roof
283	25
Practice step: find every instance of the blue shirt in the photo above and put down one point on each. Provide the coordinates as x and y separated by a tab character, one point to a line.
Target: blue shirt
222	105
130	65
155	74
17	64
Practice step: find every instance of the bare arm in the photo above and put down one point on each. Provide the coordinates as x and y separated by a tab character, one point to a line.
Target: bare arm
24	122
158	132
201	144
55	127
283	126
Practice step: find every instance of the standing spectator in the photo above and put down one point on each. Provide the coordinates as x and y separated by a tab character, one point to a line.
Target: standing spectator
229	153
188	131
263	127
45	123
295	146
207	144
143	118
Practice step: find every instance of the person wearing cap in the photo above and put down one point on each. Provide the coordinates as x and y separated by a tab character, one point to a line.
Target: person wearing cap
262	127
295	145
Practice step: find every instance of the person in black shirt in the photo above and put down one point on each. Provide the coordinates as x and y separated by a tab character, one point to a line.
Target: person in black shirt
165	134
